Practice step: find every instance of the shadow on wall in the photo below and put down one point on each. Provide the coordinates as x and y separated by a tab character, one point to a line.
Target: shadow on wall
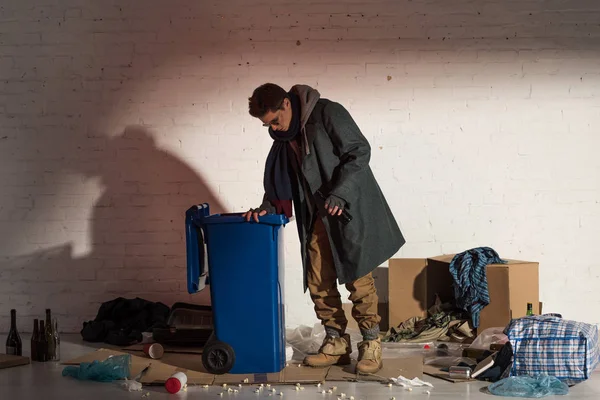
136	235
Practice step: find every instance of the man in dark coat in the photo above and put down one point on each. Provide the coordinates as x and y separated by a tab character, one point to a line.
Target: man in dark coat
319	162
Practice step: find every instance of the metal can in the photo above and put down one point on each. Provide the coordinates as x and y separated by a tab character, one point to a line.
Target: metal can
154	350
460	372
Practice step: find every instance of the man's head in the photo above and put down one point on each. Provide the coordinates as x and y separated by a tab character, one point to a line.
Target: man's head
271	104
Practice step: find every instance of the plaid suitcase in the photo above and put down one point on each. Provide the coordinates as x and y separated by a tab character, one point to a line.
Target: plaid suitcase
549	345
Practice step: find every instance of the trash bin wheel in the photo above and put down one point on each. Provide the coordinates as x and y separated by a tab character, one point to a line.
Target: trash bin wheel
218	357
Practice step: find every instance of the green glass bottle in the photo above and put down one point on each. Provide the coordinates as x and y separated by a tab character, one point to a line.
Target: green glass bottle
529	309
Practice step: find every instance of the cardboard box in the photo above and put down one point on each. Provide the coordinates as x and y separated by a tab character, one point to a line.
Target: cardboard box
414	283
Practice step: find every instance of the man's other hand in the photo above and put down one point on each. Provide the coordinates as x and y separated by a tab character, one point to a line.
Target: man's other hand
254	214
334	205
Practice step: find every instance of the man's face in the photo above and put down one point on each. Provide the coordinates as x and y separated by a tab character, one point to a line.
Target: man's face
280	119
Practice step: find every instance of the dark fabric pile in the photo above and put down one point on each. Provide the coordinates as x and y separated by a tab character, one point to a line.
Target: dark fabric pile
444	322
121	321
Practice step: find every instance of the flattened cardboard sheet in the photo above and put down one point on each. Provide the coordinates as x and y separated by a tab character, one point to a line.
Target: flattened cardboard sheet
7	361
191	365
158	372
168	349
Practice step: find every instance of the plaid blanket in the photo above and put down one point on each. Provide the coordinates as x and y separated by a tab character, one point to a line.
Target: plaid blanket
470	283
549	345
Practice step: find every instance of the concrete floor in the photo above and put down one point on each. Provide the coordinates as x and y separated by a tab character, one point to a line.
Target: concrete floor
44	381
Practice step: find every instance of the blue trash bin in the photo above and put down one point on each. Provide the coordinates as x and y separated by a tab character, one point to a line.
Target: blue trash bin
246	272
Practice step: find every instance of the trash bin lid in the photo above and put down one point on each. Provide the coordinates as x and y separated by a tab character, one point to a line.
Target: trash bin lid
236	218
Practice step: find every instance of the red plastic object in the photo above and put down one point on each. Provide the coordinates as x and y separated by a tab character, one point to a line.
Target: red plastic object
173	385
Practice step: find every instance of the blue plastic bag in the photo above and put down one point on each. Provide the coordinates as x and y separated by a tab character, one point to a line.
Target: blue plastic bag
111	369
528	386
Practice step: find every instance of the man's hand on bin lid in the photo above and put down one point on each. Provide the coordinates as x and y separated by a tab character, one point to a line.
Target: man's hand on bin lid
258	212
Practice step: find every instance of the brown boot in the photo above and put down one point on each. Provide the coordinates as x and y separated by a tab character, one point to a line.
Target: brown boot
369	357
334	351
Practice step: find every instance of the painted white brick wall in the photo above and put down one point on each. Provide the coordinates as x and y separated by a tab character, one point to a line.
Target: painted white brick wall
116	116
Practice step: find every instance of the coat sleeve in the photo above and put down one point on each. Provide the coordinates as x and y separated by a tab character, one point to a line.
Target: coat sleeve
267	205
350	145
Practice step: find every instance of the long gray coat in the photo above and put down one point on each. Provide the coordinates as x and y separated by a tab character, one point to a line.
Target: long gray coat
336	160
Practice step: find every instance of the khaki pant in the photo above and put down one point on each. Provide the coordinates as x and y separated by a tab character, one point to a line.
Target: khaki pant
322	284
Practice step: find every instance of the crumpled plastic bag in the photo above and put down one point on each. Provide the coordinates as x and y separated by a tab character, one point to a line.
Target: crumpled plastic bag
528	386
132	386
489	337
111	369
306	340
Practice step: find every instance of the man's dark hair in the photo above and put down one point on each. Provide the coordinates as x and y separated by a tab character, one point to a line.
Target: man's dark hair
265	98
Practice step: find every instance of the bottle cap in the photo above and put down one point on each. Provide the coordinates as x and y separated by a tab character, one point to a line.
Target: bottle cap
173	385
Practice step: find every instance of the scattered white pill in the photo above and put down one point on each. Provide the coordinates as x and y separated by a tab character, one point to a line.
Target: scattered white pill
281	393
323	392
427	392
409	389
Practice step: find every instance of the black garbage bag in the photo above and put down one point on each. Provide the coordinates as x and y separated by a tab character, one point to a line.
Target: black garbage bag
121	321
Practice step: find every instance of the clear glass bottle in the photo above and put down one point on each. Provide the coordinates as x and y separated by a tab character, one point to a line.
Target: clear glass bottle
56	341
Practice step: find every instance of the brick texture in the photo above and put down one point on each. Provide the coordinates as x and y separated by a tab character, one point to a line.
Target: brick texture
115	117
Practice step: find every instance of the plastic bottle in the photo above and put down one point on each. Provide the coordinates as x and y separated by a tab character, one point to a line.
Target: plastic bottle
176	382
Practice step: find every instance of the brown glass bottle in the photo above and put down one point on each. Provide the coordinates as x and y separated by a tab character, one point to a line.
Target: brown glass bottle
42	348
34	341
